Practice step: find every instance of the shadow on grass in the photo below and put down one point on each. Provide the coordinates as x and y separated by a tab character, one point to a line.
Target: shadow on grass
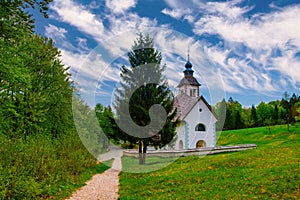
153	163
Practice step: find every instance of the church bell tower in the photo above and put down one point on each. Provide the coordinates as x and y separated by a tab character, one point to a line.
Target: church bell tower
189	84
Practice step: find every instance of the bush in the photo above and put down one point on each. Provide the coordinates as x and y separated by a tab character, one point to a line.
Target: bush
40	167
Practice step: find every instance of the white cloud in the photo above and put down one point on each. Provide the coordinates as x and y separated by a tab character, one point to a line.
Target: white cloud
90	72
253	42
228	9
82	43
124	30
176	13
264	31
120	6
245	58
250	40
54	32
86	22
179	4
58	35
80	17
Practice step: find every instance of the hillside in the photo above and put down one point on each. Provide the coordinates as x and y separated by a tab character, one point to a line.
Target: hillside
270	171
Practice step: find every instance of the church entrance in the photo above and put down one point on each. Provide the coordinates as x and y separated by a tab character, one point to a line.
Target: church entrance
200	144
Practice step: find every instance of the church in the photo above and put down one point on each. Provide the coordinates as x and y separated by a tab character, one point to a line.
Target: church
197	120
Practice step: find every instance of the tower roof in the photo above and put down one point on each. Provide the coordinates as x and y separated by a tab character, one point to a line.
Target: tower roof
188	64
189	79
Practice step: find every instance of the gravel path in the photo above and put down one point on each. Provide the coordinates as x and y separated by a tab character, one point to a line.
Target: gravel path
102	186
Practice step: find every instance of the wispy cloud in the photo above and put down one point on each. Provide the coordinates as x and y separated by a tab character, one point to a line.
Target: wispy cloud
120	6
80	17
249	48
176	13
55	32
246	55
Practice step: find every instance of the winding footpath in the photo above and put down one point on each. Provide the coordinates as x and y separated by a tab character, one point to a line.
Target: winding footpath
101	186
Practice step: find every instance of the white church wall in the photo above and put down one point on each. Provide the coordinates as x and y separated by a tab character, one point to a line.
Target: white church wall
180	135
205	117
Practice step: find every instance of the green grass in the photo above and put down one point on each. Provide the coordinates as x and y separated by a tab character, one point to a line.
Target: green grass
269	172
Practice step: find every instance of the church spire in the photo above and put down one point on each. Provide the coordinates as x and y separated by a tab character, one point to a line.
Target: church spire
188	66
189	84
188	53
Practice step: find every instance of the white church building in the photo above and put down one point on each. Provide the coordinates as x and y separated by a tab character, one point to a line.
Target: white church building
197	119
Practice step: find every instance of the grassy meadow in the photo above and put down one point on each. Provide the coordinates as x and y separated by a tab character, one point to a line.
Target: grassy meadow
271	171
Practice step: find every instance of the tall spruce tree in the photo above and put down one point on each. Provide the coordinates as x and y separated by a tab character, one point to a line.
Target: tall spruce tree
253	116
140	92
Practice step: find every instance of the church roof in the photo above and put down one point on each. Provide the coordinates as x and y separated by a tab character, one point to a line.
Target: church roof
189	80
185	104
188	64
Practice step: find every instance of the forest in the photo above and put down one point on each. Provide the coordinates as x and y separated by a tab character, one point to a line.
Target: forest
41	154
284	111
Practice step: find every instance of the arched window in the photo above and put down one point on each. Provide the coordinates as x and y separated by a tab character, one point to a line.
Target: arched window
180	145
200	127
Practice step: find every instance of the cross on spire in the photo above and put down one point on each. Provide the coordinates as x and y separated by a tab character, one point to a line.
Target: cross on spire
189	53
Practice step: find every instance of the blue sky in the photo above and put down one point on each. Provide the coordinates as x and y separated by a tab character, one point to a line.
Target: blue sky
248	50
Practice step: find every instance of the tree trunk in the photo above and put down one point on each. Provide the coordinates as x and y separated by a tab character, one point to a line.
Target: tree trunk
141	157
145	145
288	123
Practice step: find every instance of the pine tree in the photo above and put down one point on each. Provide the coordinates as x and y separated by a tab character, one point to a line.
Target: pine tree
253	116
239	124
285	103
142	86
276	114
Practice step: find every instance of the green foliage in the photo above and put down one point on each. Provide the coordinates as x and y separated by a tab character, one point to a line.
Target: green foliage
41	155
269	172
233	118
15	22
265	114
41	167
297	114
35	87
253	117
88	128
220	110
104	116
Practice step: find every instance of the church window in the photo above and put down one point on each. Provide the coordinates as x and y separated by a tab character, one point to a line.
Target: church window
200	127
180	145
192	92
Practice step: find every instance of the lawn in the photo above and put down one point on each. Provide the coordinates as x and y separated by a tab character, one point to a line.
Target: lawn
269	172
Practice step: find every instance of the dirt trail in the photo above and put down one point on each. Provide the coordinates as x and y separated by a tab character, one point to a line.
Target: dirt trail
101	186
